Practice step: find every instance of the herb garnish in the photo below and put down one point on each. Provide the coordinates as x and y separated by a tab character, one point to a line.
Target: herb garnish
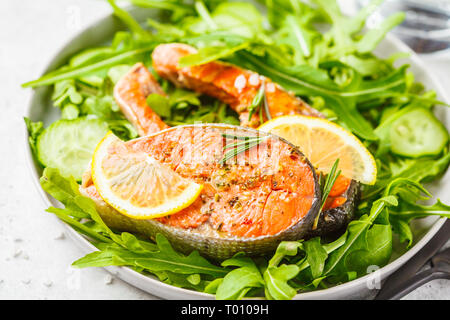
236	147
326	189
260	104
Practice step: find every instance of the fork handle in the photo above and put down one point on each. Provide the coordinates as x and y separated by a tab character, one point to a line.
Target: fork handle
417	281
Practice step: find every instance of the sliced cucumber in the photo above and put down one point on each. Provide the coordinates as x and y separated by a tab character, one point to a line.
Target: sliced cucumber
418	133
68	145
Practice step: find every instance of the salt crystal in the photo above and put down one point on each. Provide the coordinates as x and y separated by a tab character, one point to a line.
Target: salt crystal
48	283
240	82
270	87
108	279
26	281
253	79
17	253
61	236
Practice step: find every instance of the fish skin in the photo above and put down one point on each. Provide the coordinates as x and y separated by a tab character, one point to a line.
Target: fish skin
333	222
280	203
226	82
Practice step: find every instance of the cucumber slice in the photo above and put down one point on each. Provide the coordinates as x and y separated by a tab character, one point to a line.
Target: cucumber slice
418	133
68	145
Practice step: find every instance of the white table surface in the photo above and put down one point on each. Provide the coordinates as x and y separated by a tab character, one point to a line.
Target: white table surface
34	260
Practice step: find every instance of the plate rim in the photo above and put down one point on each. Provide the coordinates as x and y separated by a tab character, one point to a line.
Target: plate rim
168	291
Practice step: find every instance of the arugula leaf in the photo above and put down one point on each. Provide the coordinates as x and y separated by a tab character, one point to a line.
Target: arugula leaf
424	170
100	106
34	130
418	170
235	18
319	255
66	92
123	129
179	96
167	5
164	259
408	211
211	287
77	207
316	256
134	26
372	248
84	69
285	248
116	72
208	54
371	39
356	23
356	229
276	277
239	281
298	36
401	227
160	104
204	14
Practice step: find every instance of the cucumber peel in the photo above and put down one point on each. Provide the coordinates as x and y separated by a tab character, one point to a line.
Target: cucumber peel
68	145
418	133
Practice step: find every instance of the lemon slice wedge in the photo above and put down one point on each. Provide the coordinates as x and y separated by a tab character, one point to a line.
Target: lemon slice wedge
323	142
136	184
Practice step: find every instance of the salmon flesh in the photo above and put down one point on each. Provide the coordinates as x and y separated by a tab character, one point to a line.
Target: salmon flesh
232	85
249	203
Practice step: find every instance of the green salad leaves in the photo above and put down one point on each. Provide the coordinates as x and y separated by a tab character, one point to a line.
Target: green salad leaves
309	48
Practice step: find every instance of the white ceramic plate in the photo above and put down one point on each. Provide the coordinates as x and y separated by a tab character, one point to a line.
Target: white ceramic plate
40	109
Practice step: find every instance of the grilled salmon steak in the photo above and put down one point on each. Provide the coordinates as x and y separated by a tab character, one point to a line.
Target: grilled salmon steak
232	85
249	203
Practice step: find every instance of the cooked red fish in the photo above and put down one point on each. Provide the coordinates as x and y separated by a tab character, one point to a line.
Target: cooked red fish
131	92
266	194
235	86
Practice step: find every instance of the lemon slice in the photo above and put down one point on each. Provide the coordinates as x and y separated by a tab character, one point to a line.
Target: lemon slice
136	184
323	142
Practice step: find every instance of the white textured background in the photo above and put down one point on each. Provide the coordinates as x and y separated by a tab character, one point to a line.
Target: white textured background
34	260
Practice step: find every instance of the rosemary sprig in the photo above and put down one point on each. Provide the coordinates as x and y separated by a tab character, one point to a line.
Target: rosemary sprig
326	189
232	136
239	145
266	108
260	104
